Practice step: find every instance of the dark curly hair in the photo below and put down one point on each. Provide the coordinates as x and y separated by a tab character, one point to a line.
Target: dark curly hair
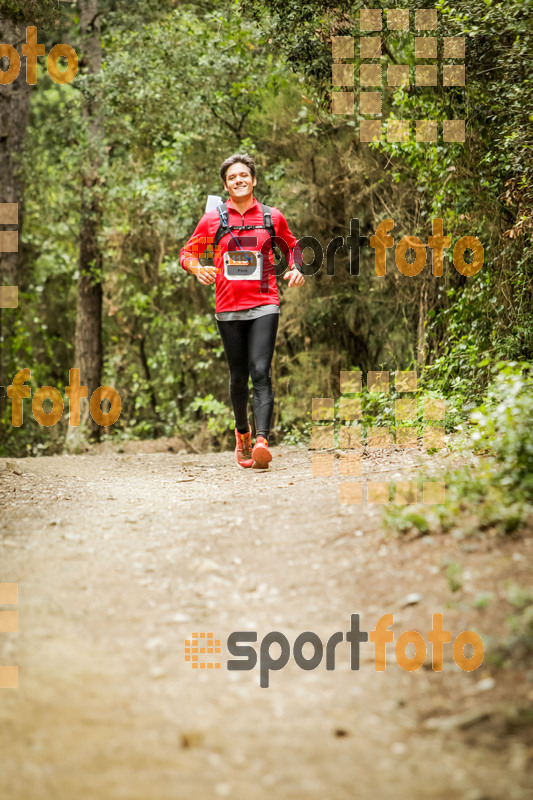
237	158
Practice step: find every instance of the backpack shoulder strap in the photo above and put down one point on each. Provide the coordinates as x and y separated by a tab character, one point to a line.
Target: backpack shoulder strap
223	227
268	221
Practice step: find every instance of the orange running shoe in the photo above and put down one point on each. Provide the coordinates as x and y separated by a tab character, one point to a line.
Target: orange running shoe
243	450
261	455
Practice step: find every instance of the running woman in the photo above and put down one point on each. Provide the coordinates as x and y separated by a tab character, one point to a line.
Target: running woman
246	309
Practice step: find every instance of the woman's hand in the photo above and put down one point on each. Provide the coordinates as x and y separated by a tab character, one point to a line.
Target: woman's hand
205	275
294	277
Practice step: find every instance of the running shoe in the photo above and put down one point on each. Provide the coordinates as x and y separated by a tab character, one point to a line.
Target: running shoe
261	455
243	450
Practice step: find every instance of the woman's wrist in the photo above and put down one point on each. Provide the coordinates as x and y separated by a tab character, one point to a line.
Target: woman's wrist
191	264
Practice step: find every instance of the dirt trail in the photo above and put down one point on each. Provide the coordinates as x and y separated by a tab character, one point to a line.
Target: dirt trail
119	558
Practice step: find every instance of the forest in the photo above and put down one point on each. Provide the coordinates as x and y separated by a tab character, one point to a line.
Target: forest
383	545
112	169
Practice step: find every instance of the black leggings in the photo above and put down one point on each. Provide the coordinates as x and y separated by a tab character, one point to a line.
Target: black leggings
249	346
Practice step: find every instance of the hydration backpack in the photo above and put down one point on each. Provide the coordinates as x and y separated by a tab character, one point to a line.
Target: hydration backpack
225	227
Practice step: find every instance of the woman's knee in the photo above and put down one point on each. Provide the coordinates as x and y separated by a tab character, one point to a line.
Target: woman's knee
238	382
260	372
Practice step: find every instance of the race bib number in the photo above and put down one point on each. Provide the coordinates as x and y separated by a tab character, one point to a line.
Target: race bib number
244	265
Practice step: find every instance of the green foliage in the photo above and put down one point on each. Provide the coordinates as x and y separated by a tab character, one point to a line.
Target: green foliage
521	621
483	187
185	85
483	599
454	576
34	12
495	493
218	414
166	77
518	645
503	427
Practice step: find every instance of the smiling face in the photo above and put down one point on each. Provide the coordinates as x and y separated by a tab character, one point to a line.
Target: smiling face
239	182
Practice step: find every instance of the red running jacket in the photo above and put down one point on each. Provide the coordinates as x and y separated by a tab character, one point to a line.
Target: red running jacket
237	295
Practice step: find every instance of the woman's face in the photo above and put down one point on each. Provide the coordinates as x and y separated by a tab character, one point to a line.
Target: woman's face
239	182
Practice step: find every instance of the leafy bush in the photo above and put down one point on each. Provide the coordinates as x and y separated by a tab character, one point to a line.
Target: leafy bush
503	426
218	416
517	646
496	490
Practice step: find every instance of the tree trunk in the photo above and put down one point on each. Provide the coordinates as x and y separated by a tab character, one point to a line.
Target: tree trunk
14	116
428	288
88	345
421	333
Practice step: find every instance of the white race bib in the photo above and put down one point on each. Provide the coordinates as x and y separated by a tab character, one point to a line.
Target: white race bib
244	265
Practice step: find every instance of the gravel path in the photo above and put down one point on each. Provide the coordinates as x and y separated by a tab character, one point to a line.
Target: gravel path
120	558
